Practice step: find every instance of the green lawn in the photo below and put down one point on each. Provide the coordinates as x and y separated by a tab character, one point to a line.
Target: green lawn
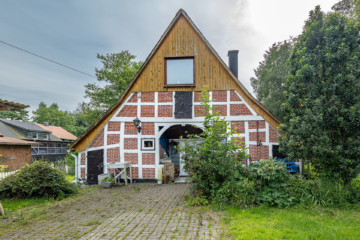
70	177
11	205
273	223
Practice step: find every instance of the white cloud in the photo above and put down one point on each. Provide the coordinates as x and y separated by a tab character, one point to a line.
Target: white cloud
73	32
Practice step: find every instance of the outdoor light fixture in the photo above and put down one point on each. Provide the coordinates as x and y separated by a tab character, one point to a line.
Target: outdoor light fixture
137	124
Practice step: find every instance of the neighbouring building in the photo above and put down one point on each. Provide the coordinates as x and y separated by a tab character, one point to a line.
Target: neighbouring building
14	153
164	97
53	141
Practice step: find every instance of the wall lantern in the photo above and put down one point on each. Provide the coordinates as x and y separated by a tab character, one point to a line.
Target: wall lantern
137	124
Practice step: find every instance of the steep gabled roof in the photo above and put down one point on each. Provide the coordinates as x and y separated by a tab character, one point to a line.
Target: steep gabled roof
180	13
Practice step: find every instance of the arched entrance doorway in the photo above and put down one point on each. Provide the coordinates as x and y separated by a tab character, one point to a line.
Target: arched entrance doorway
170	138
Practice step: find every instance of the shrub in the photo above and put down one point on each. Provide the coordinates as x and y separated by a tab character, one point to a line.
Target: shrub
2	168
239	192
270	181
215	160
36	180
323	192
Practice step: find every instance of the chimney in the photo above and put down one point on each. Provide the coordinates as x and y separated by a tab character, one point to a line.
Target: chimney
233	61
46	124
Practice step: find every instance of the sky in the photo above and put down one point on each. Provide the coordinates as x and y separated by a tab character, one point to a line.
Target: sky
73	32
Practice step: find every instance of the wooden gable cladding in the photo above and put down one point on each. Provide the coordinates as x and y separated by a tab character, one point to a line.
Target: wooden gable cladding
181	39
184	41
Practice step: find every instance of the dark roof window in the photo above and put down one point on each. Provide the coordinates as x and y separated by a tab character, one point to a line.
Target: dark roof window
179	71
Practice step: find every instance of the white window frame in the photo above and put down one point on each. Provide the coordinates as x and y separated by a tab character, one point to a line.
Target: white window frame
148	148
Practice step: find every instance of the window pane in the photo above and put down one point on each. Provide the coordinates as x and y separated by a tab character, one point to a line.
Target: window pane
34	135
180	71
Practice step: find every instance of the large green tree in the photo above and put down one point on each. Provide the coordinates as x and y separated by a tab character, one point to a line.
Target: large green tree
269	82
348	8
323	111
117	72
18	114
56	117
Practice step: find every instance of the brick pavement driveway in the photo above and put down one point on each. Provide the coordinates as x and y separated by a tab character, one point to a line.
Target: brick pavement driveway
135	211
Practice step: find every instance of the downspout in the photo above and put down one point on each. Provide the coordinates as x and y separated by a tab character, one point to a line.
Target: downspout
257	133
76	167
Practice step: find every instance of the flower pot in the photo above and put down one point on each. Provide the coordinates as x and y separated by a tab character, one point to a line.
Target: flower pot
106	184
159	182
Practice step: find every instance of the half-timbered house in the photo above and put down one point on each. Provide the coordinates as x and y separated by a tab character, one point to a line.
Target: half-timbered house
163	99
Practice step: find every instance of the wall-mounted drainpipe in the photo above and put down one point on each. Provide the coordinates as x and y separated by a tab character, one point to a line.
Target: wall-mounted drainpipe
257	133
76	167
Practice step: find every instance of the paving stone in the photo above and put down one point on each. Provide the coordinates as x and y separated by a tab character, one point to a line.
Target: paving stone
121	213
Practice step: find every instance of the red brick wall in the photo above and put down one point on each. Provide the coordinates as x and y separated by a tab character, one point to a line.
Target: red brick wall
259	152
148	173
99	140
198	109
197	97
239	109
273	135
147	128
147	111
130	129
83	159
134	172
165	97
130	143
128	111
253	136
234	97
252	124
147	97
222	110
219	96
114	126
165	111
133	98
238	126
82	173
148	158
131	157
239	140
113	139
113	155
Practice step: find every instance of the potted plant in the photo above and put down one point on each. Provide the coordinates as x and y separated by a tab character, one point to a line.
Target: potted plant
107	182
160	175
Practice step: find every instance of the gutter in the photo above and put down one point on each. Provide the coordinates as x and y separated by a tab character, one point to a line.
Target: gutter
76	166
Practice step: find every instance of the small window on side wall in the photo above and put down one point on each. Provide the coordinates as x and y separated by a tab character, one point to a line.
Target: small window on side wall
148	144
179	71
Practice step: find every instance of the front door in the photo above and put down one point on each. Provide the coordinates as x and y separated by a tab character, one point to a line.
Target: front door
95	165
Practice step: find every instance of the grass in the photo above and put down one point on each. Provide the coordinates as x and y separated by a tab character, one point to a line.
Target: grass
11	205
273	223
70	177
